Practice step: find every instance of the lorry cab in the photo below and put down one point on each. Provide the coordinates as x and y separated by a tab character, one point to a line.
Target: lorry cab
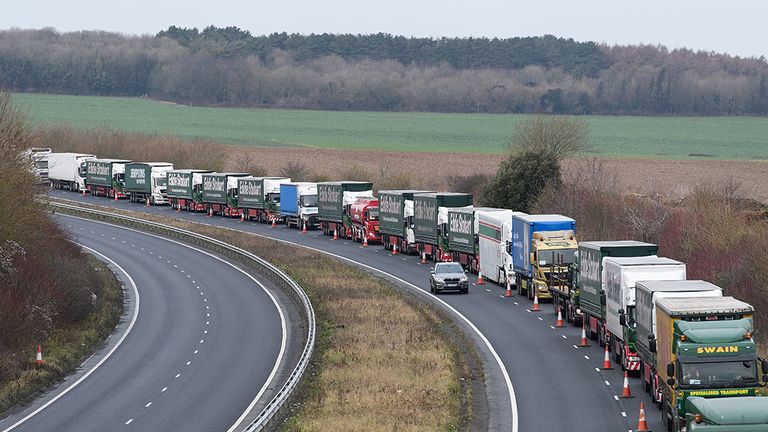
728	414
705	348
298	204
364	213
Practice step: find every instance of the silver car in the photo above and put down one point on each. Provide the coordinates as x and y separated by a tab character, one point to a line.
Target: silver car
448	276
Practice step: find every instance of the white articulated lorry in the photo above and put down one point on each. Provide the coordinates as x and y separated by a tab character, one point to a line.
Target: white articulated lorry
67	170
619	277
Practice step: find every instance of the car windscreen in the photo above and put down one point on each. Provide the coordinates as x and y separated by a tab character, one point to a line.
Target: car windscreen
449	268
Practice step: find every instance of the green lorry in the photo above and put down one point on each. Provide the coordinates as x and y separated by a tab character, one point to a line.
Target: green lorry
220	193
259	197
185	189
396	219
728	414
430	221
147	181
587	300
333	202
699	346
106	177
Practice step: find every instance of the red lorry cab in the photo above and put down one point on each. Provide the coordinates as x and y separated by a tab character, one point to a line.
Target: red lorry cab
364	214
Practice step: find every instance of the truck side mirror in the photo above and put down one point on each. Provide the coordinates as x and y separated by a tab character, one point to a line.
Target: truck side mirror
652	343
602	298
670	369
671	381
765	365
531	259
622	318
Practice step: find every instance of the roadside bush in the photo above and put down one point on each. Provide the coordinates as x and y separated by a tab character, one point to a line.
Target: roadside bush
297	171
473	184
520	180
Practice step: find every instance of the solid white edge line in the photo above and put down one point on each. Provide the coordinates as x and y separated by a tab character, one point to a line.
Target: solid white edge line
499	362
107	356
283	327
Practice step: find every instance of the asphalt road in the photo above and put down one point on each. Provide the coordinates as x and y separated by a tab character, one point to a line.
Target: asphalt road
557	386
206	340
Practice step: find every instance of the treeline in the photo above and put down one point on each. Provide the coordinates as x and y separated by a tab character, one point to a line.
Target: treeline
230	67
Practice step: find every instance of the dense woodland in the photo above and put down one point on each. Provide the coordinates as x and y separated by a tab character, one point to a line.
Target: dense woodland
382	72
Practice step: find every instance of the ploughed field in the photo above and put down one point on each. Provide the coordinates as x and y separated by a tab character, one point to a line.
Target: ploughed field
674	138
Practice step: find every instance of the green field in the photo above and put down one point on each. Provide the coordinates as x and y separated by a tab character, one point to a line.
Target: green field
642	137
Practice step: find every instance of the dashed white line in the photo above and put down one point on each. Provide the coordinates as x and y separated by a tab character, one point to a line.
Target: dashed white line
552	327
564	336
575	346
516	303
597	369
148	405
202	340
207	323
196	351
174	266
541	319
615	397
623	413
586	357
178	375
129	421
607	383
164	389
205	332
189	363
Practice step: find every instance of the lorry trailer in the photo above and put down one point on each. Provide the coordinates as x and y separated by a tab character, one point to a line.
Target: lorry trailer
430	222
147	181
220	193
333	204
647	295
464	230
106	177
67	170
298	204
185	189
619	277
259	197
703	347
543	248
589	294
396	220
494	244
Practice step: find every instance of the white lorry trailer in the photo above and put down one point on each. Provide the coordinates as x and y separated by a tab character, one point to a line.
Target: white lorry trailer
619	277
494	238
67	170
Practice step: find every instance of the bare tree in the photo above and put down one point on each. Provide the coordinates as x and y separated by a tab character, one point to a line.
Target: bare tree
559	136
646	217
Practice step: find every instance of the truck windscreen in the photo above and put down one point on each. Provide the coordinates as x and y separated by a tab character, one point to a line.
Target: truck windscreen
309	200
556	257
373	214
718	374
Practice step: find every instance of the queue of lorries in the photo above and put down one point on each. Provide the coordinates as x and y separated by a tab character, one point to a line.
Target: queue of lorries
691	345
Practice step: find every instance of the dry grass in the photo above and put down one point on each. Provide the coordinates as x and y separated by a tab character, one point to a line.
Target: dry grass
384	362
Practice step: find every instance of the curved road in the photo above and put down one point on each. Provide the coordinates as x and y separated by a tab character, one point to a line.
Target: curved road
206	340
557	386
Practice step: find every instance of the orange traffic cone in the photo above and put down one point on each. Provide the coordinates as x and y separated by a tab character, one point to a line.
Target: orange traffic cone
84	189
509	289
210	211
626	392
365	240
114	193
335	234
273	222
535	302
178	208
480	278
584	343
147	202
304	227
423	257
607	360
642	425
242	216
559	322
39	358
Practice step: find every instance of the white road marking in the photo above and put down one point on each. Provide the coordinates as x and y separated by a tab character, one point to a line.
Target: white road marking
174	266
207	322
205	300
488	290
205	332
178	375
148	405
541	319
552	327
189	363
564	336
597	369
142	248
207	314
202	340
586	357
607	383
516	303
196	351
615	397
103	359
164	389
129	421
575	346
623	414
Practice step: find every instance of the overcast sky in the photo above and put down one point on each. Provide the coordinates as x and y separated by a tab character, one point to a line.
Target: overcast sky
737	26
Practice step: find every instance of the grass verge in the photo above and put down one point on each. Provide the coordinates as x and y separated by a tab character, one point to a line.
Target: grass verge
64	351
384	360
